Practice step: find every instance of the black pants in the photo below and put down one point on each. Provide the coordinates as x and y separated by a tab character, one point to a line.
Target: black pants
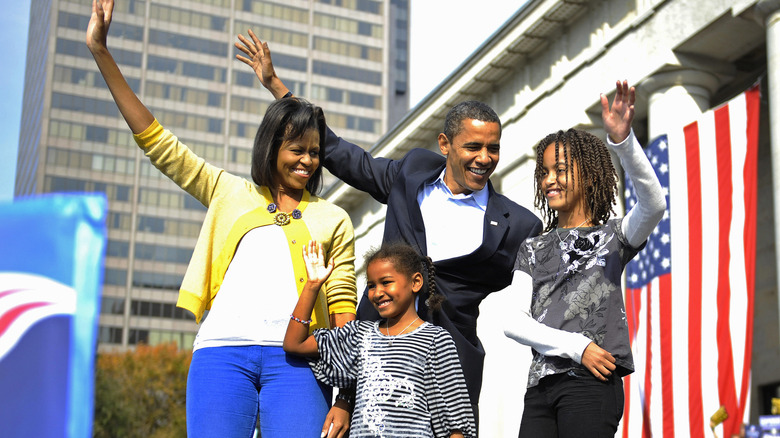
571	405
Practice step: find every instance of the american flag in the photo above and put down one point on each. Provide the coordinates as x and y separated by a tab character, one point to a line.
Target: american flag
689	295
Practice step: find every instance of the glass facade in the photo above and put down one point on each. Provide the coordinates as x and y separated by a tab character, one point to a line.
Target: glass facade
349	56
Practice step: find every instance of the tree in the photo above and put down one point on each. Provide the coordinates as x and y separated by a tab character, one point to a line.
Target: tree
141	393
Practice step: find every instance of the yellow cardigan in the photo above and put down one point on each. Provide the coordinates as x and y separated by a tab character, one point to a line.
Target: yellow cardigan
236	206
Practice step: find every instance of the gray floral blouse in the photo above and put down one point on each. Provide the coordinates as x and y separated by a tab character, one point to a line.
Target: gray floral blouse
576	275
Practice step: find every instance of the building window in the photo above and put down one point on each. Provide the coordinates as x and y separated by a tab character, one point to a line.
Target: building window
371	6
89	161
158	225
347	25
84	104
136	337
109	335
118	221
348	73
185	68
185	42
274	10
240	155
117	248
352	50
189	18
115	277
156	280
162	253
154	309
112	306
365	100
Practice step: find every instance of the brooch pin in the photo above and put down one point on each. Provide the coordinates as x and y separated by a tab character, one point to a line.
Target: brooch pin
283	218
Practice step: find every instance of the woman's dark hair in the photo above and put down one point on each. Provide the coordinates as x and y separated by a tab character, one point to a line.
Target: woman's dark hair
408	261
286	119
596	174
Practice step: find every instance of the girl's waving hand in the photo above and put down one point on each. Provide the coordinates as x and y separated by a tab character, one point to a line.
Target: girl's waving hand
617	118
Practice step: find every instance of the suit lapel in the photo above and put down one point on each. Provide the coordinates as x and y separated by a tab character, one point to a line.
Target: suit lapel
415	182
495	226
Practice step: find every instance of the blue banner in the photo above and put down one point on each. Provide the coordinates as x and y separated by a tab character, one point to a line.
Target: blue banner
51	273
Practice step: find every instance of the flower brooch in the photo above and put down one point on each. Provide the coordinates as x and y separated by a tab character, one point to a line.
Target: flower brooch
281	217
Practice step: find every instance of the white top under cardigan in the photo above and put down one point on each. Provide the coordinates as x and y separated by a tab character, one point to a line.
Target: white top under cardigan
257	294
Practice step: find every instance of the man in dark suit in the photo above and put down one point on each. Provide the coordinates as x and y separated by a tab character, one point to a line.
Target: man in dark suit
476	231
443	205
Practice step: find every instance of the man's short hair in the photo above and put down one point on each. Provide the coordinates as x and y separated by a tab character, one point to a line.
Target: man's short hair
470	109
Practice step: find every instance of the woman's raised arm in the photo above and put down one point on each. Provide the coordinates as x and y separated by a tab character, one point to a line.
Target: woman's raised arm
137	116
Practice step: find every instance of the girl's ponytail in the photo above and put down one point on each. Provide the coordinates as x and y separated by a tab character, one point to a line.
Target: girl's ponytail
435	299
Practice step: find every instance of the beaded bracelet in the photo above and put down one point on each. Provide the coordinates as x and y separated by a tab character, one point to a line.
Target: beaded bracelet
302	321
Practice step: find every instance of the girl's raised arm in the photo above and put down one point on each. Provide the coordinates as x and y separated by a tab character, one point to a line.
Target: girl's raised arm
137	116
640	221
297	339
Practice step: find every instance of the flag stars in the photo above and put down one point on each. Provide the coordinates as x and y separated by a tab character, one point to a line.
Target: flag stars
665	238
663	168
666	263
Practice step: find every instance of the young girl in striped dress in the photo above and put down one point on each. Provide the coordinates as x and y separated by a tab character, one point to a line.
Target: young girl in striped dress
406	374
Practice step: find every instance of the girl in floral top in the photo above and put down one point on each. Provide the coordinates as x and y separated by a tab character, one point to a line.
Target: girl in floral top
576	269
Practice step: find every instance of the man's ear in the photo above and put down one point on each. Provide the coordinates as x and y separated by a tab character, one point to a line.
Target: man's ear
444	144
417	280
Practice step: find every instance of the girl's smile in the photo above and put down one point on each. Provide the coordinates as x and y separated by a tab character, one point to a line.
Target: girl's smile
392	293
562	188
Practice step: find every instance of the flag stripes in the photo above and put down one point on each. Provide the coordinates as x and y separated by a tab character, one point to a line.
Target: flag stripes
689	297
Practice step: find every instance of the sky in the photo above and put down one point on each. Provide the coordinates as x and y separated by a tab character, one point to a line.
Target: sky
455	31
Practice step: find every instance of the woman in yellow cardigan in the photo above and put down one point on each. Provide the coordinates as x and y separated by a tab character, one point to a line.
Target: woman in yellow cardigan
247	268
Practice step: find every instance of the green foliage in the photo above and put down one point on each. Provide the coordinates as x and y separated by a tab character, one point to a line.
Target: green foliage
141	393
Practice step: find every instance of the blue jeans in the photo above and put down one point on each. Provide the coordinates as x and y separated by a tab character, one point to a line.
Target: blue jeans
227	387
573	405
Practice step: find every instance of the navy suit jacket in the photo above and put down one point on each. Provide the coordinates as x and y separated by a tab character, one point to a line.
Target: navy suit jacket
466	280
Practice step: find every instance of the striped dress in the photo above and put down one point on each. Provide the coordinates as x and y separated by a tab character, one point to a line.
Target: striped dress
406	386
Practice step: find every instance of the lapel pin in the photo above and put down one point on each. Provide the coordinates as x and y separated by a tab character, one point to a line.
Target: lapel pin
494	223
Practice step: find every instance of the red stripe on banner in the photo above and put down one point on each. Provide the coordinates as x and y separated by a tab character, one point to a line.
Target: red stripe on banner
647	431
753	103
10	292
694	280
7	318
726	386
667	371
633	306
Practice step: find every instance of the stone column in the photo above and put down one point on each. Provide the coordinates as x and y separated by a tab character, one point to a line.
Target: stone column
768	14
676	98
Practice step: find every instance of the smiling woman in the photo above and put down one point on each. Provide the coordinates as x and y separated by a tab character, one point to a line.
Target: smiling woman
247	268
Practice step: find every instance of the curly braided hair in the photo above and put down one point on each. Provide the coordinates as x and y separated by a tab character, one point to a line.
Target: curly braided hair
407	261
597	177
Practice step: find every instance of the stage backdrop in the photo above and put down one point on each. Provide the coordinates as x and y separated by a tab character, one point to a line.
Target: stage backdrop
689	300
51	270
